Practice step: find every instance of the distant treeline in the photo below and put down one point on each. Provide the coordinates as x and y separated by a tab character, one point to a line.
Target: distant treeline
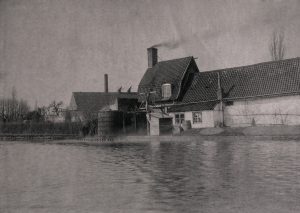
12	110
17	118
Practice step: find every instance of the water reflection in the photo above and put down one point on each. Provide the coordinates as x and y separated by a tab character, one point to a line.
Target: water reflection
203	176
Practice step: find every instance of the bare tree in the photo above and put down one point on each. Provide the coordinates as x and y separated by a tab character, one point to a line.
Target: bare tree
55	107
12	110
277	47
14	103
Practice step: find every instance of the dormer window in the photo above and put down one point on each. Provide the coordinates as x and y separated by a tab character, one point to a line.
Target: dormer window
166	91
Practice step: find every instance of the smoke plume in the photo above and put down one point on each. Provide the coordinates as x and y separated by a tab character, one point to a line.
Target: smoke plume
172	44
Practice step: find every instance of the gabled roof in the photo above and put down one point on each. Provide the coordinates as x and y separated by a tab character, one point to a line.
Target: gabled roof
171	71
268	79
95	101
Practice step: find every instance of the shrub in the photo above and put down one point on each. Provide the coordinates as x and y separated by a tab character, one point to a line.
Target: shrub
41	128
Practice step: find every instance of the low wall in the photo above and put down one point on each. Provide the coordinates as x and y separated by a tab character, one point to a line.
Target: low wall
31	137
265	111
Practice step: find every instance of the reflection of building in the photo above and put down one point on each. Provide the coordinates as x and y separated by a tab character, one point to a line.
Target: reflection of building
260	94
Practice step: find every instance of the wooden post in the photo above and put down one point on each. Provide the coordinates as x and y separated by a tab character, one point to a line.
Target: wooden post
148	127
124	128
147	115
135	129
220	97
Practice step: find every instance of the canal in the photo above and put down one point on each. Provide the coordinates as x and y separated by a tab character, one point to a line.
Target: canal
202	176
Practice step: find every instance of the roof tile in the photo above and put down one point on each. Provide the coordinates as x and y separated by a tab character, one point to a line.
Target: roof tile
94	101
264	79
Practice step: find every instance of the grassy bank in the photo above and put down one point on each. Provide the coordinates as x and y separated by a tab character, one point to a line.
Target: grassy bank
213	134
246	131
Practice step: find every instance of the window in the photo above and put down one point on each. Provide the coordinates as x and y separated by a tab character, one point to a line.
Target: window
197	117
179	118
166	91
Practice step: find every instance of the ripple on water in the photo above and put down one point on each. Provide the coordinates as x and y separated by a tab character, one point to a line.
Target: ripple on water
205	176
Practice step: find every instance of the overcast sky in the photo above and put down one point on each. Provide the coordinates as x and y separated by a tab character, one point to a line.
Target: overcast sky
50	48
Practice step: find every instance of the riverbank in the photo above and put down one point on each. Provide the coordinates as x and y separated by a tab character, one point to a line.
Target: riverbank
278	130
211	134
144	140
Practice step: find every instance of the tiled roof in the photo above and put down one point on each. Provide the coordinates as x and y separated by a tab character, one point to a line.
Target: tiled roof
94	101
171	71
273	78
193	107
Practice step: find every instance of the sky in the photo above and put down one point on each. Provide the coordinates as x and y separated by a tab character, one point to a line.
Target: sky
51	48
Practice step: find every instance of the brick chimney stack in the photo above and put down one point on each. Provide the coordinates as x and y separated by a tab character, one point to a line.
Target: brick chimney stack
106	83
152	56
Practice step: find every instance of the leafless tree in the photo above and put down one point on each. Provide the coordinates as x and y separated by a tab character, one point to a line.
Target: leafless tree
277	47
280	117
55	107
12	110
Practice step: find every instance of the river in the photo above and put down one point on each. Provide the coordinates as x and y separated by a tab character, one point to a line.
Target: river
202	176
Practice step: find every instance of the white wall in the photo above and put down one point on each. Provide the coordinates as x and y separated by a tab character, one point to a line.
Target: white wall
265	111
207	119
154	126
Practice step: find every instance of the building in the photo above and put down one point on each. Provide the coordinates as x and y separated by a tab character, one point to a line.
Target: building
164	84
55	116
261	94
86	105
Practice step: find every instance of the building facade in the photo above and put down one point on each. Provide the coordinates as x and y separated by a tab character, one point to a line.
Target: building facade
260	94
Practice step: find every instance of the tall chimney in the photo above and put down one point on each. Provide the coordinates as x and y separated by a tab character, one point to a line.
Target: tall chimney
105	82
152	56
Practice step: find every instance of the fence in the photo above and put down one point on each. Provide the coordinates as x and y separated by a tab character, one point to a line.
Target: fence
41	128
256	119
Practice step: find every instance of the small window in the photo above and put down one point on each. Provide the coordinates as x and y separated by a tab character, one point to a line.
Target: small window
179	118
166	91
197	117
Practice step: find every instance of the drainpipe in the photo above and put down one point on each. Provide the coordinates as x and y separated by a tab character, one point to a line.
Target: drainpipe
220	98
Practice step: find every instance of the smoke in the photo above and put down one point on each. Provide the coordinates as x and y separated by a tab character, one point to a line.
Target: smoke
172	44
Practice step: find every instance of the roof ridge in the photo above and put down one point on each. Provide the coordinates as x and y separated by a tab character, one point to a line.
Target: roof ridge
109	92
251	65
182	77
175	59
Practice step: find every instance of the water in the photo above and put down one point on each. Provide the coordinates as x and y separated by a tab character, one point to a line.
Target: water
203	176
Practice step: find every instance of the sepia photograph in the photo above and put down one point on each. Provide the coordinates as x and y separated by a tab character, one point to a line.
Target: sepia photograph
155	106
